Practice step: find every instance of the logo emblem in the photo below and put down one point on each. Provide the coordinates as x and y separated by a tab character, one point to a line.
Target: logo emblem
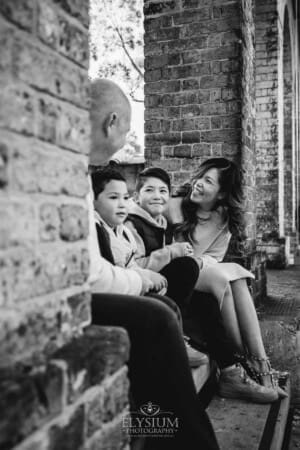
149	409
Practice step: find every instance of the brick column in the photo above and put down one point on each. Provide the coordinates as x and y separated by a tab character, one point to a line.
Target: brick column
276	118
61	385
268	106
199	86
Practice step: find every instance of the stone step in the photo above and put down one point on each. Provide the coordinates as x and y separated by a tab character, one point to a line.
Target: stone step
240	425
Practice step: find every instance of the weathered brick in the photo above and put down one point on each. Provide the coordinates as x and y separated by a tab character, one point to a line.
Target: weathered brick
183	125
190	137
230	10
49	222
20	12
18	223
203	150
99	352
111	435
168	164
194	4
33	331
80	306
153	75
162	87
184	98
73	222
182	45
60	33
77	9
152	152
162	34
166	126
202	123
19	112
35	167
26	273
190	111
190	84
227	136
152	8
111	402
183	151
3	165
186	71
63	124
210	26
6	39
55	75
69	436
191	164
157	22
19	400
181	177
224	52
163	138
192	16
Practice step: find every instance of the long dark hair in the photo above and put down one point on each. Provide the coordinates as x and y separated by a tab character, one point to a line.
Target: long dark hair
230	180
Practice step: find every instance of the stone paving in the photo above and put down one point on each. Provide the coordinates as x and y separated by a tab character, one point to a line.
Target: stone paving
284	301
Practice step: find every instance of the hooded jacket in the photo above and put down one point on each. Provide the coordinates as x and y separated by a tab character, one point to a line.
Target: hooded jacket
153	239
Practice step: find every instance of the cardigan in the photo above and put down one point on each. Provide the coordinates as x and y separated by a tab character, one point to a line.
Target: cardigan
210	243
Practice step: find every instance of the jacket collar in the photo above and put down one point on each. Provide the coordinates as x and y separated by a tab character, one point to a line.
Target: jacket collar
135	209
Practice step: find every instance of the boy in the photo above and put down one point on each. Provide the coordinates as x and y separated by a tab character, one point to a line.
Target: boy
117	243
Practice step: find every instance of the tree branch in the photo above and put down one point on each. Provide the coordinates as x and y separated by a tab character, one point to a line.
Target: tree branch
123	44
127	53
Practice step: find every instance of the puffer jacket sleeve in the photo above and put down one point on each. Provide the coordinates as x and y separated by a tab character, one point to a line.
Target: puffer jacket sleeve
156	260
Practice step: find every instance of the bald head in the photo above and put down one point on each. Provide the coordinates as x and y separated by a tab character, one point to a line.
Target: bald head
110	120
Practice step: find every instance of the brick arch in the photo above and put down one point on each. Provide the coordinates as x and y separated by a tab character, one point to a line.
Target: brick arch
277	148
288	129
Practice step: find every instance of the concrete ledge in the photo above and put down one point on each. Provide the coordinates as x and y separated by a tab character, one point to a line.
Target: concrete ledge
240	425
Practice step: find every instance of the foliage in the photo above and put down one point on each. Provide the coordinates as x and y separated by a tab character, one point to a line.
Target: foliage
116	43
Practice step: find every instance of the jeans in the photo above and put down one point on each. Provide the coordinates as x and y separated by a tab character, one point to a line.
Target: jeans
158	366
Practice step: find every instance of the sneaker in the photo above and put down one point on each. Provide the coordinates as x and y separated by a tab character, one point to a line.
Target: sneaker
235	383
196	358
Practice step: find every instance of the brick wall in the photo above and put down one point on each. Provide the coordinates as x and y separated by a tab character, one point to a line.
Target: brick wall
267	114
64	383
289	201
199	86
277	120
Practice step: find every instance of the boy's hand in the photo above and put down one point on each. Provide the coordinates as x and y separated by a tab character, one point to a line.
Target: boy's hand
152	281
181	249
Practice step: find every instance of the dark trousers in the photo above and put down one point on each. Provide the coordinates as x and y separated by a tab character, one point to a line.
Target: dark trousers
182	275
203	323
158	367
201	313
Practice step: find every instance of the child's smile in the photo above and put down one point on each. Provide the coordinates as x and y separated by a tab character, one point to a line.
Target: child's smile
153	197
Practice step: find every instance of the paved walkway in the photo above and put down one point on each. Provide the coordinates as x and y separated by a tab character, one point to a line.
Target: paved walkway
283	288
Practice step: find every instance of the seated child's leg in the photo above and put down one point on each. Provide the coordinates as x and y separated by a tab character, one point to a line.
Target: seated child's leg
204	321
182	275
